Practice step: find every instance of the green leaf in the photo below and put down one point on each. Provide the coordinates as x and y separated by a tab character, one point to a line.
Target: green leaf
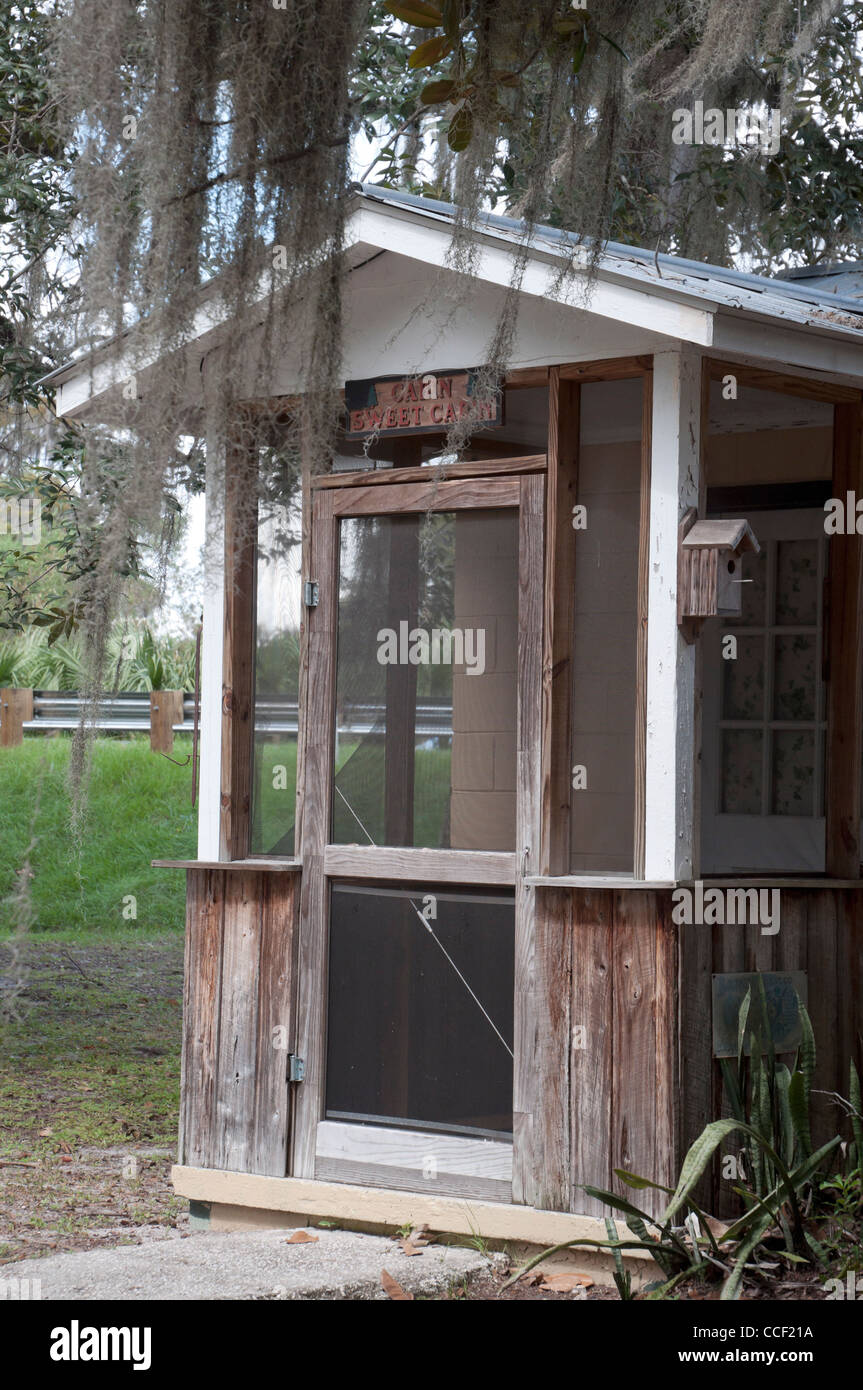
460	130
434	92
610	1199
633	1180
615	46
417	13
798	1104
509	180
731	1287
699	1155
429	52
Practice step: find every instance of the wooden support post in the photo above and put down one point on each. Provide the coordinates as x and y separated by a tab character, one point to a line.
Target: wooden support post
564	399
641	633
670	747
16	707
845	657
166	710
317	815
537	1152
212	641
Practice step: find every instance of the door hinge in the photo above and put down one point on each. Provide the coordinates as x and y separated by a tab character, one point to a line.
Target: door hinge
311	593
296	1068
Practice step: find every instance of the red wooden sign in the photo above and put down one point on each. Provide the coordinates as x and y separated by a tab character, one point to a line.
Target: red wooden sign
427	404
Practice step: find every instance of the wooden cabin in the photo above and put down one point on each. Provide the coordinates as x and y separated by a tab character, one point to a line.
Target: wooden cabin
465	739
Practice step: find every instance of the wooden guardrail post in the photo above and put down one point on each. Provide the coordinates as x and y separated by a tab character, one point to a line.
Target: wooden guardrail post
16	706
166	710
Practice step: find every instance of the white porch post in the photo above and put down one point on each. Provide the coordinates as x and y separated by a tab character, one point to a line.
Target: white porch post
212	649
670	762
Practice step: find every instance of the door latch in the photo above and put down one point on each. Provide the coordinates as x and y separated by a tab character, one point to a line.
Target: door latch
311	593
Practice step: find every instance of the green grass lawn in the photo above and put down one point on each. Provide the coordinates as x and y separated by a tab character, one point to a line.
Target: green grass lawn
138	809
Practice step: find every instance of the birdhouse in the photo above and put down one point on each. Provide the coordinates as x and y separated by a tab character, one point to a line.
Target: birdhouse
710	573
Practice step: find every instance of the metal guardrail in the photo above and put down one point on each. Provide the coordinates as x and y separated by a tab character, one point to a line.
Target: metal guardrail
125	712
129	712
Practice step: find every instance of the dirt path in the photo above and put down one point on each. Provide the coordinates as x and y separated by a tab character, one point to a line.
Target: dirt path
89	1086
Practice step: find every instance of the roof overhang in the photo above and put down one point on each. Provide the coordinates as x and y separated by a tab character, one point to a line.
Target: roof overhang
675	301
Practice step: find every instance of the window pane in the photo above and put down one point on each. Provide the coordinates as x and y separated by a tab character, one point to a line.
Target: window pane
426	685
793	772
743	681
797	582
741	771
277	665
420	1029
794	678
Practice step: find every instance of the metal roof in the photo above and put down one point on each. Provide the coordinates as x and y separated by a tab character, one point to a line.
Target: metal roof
715	282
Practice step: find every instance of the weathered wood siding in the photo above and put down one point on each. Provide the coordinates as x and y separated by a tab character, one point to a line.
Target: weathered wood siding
621	1006
821	933
238	1020
622	994
628	1078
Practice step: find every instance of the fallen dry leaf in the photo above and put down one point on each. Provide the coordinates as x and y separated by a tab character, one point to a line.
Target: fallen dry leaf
420	1235
565	1283
408	1248
393	1289
45	1133
300	1238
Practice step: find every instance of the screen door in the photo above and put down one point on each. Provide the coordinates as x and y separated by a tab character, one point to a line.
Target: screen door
412	1058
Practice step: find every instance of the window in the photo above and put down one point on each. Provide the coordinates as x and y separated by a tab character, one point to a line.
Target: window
277	667
605	627
426	687
769	459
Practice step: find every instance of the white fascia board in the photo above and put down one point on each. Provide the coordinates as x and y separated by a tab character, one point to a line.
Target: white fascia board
667	313
105	370
810	346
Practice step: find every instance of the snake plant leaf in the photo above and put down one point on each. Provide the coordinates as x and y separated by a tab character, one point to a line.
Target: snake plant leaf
798	1102
633	1180
731	1287
697	1158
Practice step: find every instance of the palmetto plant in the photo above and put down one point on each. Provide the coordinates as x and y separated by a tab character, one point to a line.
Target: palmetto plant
135	662
159	665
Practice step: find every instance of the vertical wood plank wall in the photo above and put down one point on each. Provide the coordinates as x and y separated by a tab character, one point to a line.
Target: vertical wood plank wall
238	1020
631	1016
622	999
821	933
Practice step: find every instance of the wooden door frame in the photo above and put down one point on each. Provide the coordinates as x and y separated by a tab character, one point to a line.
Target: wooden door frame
320	858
